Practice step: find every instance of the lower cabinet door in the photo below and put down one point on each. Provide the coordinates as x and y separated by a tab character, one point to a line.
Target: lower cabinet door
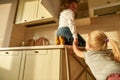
10	65
41	65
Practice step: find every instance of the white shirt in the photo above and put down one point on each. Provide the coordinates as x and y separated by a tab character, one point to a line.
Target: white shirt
67	20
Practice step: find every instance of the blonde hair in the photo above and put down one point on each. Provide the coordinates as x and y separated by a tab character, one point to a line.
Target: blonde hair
97	40
116	50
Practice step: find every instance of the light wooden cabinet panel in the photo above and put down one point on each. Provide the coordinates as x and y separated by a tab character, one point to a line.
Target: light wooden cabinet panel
31	10
103	7
27	11
100	3
80	71
97	3
42	12
41	65
10	65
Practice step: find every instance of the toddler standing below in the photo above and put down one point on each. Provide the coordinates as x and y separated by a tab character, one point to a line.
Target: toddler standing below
101	61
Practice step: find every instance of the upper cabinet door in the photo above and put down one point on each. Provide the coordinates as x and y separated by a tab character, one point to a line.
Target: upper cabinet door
103	7
27	11
100	3
97	3
52	6
32	10
43	13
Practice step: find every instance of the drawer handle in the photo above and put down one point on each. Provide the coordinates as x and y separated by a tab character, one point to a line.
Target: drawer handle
36	51
25	20
6	52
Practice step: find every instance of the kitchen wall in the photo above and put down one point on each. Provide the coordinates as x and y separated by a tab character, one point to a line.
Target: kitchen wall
7	13
18	35
109	23
48	31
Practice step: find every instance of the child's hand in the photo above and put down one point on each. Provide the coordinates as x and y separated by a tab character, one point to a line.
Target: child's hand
75	41
76	50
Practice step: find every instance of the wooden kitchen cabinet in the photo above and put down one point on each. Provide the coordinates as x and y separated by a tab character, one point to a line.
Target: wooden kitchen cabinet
80	71
31	64
31	10
100	3
42	12
94	3
40	65
26	11
56	62
103	7
10	65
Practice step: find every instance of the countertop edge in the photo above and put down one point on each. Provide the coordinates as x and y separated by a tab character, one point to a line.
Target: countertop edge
38	47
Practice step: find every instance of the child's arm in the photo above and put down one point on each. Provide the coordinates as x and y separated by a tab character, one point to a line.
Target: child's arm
76	50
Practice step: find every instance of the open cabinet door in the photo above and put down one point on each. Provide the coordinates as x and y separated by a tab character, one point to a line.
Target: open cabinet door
53	7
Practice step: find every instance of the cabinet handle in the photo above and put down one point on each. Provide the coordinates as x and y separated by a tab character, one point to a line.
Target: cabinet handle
36	51
25	20
6	52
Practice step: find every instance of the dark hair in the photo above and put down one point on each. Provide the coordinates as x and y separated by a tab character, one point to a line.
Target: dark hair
65	4
70	1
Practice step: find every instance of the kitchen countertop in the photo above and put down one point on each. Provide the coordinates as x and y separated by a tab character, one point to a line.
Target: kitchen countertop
38	47
33	47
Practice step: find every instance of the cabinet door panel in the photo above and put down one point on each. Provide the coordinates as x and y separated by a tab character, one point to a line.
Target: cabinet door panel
36	65
10	65
55	64
39	65
101	3
43	13
97	3
29	10
52	6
